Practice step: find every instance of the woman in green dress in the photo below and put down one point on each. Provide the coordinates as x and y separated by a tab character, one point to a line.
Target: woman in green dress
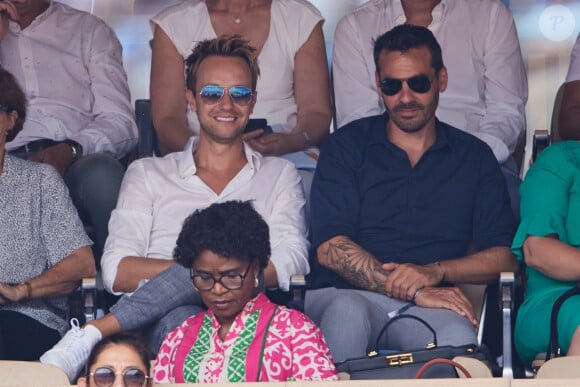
548	241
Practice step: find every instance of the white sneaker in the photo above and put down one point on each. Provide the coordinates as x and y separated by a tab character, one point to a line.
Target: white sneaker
72	351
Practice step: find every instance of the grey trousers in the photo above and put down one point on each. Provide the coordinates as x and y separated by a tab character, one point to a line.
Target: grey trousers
159	306
351	320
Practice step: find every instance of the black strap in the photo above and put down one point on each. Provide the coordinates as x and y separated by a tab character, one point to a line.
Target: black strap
432	344
553	345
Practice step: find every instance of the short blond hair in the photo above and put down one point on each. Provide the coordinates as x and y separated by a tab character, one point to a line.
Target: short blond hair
227	46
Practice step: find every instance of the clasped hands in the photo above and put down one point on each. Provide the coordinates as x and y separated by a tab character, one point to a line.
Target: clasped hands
404	279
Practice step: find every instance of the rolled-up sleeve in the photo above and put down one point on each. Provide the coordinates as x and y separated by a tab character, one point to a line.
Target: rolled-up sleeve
545	197
288	228
113	127
130	224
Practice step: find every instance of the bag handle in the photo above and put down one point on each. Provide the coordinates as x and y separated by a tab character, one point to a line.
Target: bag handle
431	345
553	345
440	360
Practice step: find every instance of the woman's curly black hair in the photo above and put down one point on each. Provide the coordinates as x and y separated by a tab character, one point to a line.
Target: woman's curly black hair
231	229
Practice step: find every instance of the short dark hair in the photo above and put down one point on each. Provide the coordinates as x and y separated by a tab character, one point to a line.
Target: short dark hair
13	99
130	340
405	37
226	46
231	229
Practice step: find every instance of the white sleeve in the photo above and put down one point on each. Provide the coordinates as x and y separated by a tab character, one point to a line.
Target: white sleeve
506	86
113	127
130	223
288	229
355	91
574	69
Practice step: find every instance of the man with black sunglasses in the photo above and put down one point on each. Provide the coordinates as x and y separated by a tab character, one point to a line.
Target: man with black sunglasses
487	90
397	200
157	194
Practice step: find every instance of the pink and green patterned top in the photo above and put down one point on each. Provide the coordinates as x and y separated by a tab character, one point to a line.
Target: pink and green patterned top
293	348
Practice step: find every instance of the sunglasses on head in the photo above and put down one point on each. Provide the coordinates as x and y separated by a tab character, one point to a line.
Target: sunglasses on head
418	83
212	94
132	377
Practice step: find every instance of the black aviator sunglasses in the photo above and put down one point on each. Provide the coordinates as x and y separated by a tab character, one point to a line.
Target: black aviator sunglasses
418	83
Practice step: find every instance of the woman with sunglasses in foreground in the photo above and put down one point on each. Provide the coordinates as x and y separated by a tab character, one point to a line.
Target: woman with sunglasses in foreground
243	336
118	360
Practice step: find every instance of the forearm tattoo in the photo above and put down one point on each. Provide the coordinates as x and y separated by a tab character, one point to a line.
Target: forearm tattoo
356	265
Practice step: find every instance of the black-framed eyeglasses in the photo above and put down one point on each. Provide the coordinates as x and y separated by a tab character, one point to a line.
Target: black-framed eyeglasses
206	281
132	377
212	94
418	83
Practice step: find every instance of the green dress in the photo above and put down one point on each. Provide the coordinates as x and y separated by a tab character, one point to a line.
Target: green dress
550	204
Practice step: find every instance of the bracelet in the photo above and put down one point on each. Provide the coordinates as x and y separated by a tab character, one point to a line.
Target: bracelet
442	271
28	290
416	294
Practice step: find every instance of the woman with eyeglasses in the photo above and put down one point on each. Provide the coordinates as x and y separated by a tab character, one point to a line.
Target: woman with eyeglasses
44	251
294	91
242	336
118	360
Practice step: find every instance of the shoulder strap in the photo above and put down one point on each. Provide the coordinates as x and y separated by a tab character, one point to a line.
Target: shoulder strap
553	345
264	344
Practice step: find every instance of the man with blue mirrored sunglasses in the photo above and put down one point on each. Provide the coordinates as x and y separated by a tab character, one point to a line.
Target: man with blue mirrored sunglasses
159	193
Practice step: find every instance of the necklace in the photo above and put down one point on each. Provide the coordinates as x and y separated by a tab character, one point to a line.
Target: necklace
237	20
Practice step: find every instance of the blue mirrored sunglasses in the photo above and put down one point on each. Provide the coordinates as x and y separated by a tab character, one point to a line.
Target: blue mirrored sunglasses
212	94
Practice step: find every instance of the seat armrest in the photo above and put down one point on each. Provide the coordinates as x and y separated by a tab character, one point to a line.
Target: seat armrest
298	291
506	291
540	141
89	298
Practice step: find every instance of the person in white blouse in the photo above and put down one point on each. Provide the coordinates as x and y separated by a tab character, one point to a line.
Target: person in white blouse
487	88
159	193
569	129
70	65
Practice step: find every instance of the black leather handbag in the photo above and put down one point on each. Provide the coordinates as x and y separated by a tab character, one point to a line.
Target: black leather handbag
405	365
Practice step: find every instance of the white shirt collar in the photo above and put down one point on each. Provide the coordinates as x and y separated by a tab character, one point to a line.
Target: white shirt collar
438	12
186	163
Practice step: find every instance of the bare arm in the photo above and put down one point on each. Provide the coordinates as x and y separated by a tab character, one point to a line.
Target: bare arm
363	270
552	257
570	111
60	279
168	103
7	12
355	264
312	88
312	92
134	269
